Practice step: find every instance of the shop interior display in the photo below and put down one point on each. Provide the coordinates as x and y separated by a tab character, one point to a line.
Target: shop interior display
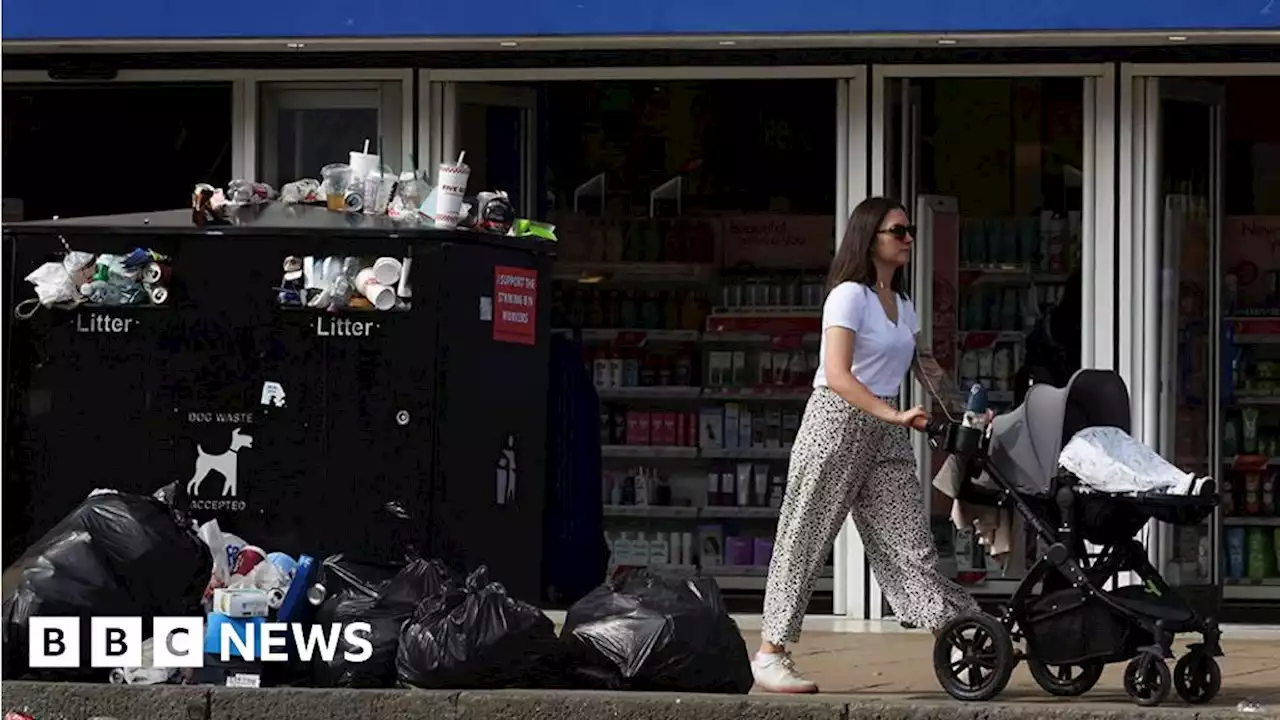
702	371
1007	275
1250	421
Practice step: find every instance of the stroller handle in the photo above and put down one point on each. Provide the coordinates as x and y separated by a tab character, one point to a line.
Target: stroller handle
937	428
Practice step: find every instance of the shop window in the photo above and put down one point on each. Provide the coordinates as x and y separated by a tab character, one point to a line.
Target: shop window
696	223
1245	430
305	126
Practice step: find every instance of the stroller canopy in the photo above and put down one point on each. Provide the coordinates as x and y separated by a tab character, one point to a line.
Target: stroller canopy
1025	443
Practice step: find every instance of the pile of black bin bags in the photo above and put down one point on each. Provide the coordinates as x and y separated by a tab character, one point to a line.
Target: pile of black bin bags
116	554
641	631
130	555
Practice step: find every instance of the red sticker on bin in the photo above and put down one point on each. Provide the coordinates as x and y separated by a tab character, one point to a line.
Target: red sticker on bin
515	304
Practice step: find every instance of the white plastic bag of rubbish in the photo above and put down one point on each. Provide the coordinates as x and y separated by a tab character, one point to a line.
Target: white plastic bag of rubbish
54	284
1109	460
211	534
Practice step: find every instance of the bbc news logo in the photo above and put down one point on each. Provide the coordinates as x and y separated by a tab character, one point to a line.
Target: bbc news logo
179	642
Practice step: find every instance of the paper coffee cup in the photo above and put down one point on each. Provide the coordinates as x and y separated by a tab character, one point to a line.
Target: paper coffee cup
363	164
451	185
386	271
382	297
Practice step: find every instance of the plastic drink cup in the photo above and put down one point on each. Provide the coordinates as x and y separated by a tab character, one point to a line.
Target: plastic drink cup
451	185
336	180
378	186
386	270
382	297
363	164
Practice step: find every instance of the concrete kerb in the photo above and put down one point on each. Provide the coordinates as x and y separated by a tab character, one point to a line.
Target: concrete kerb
72	701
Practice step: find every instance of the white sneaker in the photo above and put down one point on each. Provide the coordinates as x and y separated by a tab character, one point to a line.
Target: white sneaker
776	673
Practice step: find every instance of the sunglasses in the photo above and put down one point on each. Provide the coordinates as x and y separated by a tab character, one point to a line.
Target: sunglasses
900	231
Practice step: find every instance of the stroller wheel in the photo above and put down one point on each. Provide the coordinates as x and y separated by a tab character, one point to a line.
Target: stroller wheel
973	657
1197	677
1147	680
1065	680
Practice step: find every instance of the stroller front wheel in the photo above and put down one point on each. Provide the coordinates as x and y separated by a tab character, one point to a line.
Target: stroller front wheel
1197	677
973	657
1147	680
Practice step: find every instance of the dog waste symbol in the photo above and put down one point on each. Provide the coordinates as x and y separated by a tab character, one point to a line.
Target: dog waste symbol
225	464
507	473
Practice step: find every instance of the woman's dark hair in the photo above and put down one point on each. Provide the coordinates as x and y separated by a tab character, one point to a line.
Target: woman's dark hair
853	259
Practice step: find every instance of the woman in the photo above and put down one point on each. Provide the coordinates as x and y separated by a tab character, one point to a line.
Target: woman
853	452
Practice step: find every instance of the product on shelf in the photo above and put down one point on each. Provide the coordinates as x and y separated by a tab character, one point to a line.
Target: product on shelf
596	307
757	291
736	426
632	367
711	545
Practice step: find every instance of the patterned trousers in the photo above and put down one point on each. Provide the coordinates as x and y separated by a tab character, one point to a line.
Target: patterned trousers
845	460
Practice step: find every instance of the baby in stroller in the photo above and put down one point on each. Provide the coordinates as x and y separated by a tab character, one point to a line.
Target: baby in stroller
1064	461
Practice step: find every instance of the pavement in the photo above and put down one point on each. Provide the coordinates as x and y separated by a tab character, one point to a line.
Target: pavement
897	667
863	675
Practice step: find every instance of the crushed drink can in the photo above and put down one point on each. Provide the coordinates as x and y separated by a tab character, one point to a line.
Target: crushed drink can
249	557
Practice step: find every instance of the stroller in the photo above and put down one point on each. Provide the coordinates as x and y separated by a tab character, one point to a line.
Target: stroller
1071	626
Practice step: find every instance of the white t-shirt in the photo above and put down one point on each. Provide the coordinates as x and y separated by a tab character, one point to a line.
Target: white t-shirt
882	351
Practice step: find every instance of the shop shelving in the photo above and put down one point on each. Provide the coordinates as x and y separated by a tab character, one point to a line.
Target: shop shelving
721	327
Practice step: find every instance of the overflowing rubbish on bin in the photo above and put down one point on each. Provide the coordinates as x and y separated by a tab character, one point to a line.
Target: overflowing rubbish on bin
346	283
428	625
366	185
140	278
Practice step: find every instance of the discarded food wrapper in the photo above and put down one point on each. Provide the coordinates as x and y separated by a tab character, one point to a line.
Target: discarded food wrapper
142	257
208	205
306	190
531	228
240	602
244	192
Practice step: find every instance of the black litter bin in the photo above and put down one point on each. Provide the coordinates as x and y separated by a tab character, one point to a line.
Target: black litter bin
297	427
79	393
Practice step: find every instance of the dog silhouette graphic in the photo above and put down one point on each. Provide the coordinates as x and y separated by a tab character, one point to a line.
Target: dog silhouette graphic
224	464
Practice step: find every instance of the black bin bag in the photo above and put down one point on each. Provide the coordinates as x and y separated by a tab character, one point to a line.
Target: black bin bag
115	554
368	593
643	631
478	637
